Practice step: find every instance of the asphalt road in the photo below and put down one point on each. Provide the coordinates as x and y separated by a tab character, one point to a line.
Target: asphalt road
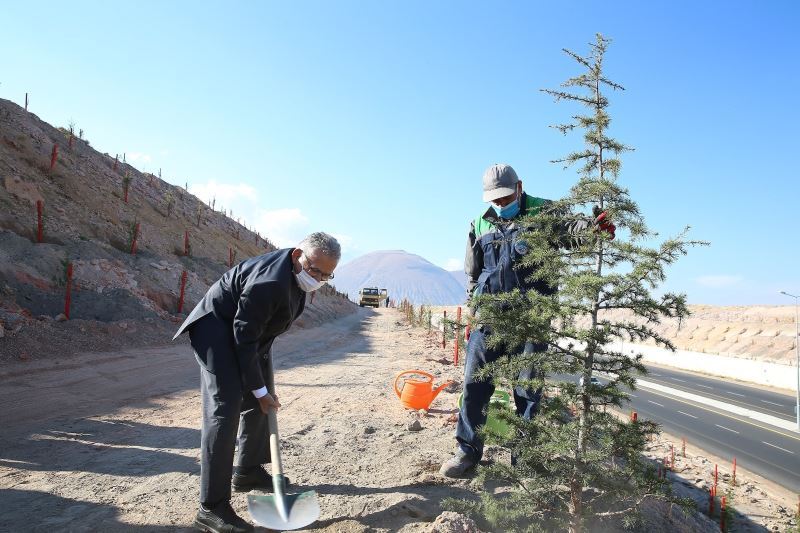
766	450
750	397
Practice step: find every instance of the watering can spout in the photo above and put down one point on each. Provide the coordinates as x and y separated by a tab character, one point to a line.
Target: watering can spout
439	389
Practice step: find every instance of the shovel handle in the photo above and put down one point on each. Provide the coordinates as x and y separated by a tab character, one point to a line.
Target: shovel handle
274	443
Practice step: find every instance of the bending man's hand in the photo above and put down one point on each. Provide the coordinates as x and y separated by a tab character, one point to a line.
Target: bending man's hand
268	402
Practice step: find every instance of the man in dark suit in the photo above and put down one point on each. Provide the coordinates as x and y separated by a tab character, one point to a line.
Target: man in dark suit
231	331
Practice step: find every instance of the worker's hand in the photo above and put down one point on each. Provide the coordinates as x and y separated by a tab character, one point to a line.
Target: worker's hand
268	402
603	222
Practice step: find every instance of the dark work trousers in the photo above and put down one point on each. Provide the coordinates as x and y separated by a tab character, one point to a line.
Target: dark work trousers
478	393
228	411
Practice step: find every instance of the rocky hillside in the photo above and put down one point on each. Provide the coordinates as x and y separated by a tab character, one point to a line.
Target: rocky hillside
93	208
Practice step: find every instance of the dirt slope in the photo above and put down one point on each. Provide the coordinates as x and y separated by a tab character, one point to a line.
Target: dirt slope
118	299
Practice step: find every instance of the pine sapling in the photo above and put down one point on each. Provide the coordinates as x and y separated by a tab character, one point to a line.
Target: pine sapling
575	461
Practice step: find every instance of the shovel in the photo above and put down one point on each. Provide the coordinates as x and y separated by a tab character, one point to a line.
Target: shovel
278	510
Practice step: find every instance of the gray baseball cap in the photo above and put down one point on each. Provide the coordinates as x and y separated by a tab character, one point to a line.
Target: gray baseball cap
498	181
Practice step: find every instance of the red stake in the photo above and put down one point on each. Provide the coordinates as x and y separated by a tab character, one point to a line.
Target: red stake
186	243
444	330
711	503
183	289
466	333
68	298
634	416
39	228
53	157
135	237
456	336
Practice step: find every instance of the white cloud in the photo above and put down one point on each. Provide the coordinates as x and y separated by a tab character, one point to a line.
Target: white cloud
225	193
135	157
454	264
719	281
284	227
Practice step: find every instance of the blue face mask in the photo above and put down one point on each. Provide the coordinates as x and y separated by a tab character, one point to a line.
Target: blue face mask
509	211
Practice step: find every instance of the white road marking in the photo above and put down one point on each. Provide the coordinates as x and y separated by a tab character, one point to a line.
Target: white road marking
654	374
773	403
734	393
705	386
677	379
727	429
687	414
658	404
783	449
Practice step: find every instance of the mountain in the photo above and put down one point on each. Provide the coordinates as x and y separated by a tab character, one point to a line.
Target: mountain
405	275
460	276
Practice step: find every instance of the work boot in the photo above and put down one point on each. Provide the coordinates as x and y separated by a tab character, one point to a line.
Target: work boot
220	518
247	479
458	465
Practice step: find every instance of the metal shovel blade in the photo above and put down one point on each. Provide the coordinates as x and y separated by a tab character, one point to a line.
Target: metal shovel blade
284	511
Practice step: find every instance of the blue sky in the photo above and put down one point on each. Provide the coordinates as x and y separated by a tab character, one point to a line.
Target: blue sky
375	120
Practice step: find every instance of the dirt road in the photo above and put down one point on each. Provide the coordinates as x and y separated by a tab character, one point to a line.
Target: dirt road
110	442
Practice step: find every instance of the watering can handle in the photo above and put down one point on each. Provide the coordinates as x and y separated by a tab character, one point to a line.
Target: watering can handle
401	374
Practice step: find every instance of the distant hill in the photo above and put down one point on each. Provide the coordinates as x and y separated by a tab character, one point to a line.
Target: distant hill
405	275
460	276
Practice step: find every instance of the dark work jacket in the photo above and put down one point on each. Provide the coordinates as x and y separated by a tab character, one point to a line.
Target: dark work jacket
258	299
494	248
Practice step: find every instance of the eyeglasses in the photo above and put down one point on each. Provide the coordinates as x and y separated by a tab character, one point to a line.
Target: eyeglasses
314	271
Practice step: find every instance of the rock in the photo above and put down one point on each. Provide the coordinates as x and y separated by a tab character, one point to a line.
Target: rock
2	331
450	522
414	425
369	430
61	317
454	386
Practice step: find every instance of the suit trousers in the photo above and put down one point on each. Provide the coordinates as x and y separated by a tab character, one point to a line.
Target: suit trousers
228	412
477	394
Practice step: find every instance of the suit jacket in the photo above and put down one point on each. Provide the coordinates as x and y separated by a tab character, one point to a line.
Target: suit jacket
256	300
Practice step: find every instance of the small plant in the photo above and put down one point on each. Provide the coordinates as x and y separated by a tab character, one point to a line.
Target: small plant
169	199
133	236
60	279
126	182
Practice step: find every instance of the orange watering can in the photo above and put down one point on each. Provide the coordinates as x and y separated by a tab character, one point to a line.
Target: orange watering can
417	393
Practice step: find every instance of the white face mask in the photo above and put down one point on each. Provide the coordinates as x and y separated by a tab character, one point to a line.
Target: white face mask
307	281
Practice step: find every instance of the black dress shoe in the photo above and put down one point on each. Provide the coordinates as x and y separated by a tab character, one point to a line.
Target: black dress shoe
254	478
220	519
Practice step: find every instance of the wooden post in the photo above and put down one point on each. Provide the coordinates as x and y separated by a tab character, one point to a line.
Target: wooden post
683	450
444	329
183	290
230	257
39	228
722	515
53	157
116	162
186	243
68	297
135	238
26	101
672	456
733	480
457	336
716	476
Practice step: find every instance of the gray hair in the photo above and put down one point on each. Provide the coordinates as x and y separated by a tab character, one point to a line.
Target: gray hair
323	243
